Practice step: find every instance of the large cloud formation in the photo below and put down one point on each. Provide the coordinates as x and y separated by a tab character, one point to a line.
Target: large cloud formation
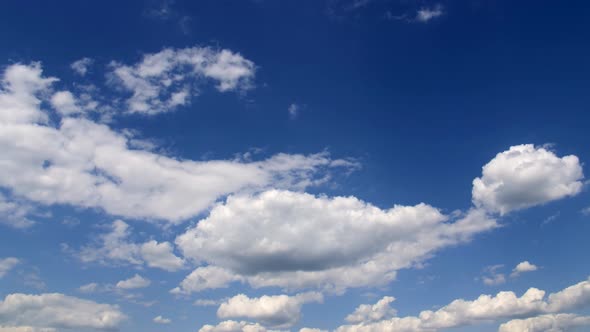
57	311
297	240
86	164
525	176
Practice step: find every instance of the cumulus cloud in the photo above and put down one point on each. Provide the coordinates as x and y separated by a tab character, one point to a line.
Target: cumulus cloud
81	66
234	326
86	164
57	311
297	240
7	264
371	313
115	247
275	311
293	110
544	323
65	103
134	282
162	81
526	176
162	320
523	267
505	305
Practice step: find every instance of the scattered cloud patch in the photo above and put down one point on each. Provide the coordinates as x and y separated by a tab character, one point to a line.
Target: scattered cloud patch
486	308
115	247
544	323
7	264
58	311
493	277
82	66
163	81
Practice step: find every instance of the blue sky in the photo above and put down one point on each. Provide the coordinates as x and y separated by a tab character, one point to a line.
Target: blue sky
326	165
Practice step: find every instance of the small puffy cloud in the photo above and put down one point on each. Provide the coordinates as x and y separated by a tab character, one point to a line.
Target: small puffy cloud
276	311
297	240
65	103
162	320
425	14
162	81
544	323
205	277
81	66
486	308
57	311
7	264
134	282
293	110
371	313
526	176
89	288
523	267
234	326
586	211
492	277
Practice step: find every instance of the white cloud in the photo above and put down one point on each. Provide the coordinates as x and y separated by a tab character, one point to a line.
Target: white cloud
586	211
57	311
525	176
233	326
493	277
114	247
523	267
165	80
205	277
134	282
297	240
86	164
25	329
162	320
7	264
307	329
81	66
544	323
65	103
293	110
505	305
371	313
276	311
89	288
426	14
15	213
160	255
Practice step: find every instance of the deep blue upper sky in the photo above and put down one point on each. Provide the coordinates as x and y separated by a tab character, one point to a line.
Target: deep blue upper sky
421	106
